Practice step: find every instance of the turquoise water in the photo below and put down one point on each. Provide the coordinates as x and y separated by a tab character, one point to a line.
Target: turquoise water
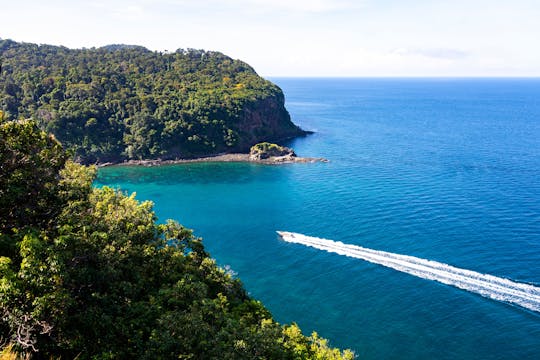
440	169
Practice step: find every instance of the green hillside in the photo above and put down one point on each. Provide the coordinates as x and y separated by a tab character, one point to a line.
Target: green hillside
124	102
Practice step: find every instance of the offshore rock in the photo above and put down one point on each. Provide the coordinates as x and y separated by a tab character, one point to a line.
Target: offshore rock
266	150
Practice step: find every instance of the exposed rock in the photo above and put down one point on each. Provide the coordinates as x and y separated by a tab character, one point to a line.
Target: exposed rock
266	119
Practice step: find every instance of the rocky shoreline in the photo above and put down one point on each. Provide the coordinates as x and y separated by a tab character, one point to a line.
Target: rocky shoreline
235	157
261	153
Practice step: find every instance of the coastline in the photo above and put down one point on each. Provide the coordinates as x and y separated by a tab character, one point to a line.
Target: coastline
232	157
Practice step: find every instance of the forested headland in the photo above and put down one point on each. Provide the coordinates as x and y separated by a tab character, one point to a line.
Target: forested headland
120	102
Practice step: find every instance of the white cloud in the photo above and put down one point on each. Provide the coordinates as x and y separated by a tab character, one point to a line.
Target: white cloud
316	6
437	53
305	5
132	12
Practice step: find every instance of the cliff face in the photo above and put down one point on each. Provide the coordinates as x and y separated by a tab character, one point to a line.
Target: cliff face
265	120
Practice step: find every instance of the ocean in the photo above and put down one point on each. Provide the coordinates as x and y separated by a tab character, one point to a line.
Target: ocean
446	170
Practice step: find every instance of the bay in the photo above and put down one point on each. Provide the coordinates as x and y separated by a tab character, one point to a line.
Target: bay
440	169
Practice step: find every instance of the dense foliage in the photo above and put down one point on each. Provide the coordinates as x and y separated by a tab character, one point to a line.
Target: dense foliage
126	102
87	273
265	150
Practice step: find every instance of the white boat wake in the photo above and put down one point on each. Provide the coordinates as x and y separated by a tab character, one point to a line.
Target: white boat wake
524	295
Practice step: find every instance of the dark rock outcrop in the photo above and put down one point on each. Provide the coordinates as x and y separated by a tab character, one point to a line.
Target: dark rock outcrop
265	120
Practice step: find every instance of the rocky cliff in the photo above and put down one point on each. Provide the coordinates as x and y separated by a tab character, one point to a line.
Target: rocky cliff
266	120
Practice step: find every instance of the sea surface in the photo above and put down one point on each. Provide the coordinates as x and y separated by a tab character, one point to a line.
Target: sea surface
440	169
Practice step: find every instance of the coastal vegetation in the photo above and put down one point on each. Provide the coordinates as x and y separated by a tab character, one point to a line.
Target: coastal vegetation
87	272
120	102
266	150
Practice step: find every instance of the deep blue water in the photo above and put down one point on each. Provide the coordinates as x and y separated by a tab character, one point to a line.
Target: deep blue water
442	169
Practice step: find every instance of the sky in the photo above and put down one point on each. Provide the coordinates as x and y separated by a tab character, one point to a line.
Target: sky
356	38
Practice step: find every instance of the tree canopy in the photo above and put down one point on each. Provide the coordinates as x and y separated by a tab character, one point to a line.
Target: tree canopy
88	273
123	102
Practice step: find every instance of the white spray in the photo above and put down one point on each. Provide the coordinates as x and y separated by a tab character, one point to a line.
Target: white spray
525	295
